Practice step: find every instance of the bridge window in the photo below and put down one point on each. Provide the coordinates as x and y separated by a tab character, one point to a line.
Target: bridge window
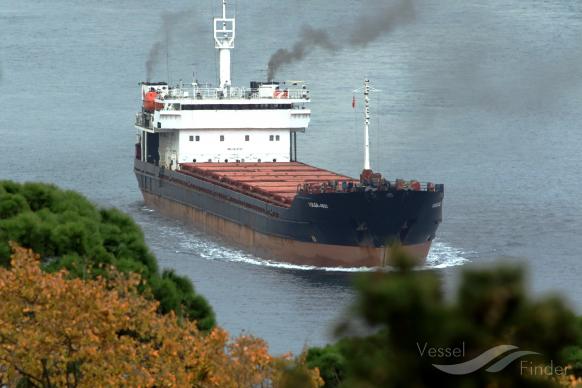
277	138
197	138
221	137
191	138
271	138
247	138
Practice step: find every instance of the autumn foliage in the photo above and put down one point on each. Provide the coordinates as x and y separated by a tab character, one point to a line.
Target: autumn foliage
69	232
61	331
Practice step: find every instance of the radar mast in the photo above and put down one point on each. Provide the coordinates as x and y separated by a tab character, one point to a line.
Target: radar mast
224	34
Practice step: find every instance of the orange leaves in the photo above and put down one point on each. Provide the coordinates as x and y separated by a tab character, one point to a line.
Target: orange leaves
60	331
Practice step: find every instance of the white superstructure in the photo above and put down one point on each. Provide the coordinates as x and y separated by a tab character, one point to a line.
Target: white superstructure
197	123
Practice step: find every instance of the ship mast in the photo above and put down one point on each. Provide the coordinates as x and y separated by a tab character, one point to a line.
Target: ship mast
367	90
367	124
224	34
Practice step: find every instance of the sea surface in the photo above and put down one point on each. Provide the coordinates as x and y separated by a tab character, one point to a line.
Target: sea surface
483	96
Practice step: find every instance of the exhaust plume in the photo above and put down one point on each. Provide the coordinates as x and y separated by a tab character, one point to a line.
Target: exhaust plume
154	58
171	21
378	18
499	70
309	39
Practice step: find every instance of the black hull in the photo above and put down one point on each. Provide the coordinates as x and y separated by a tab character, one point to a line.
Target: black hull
356	228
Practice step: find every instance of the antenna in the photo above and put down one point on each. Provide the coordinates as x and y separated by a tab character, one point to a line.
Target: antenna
367	89
224	34
168	59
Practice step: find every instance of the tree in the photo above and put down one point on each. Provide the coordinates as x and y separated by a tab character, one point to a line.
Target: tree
70	232
61	331
404	312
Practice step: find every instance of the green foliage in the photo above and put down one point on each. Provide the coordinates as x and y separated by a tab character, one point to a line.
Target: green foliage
331	362
573	355
69	232
39	195
176	293
405	310
11	205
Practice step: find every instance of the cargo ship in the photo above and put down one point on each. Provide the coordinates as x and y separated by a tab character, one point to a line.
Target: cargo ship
225	159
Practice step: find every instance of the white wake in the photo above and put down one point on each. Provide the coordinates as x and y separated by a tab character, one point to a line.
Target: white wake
188	241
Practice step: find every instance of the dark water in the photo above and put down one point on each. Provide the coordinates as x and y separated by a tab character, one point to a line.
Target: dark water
482	96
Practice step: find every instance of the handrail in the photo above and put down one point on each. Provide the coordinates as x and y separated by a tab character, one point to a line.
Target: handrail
233	93
348	186
144	120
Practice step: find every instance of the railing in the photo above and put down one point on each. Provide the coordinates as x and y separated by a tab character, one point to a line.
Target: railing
144	120
232	93
355	186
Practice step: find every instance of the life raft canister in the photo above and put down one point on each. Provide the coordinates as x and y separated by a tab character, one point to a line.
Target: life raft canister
149	101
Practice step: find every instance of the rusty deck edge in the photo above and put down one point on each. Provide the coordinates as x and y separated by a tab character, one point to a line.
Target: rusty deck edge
281	249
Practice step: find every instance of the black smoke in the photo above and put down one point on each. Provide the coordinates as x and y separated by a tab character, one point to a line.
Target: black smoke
171	23
309	38
154	58
377	18
502	67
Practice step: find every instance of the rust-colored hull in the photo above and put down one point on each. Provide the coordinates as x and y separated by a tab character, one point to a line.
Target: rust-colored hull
281	249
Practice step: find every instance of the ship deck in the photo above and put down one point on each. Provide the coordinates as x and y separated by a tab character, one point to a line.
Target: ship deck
276	183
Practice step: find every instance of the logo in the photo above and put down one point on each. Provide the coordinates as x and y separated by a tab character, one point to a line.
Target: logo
510	354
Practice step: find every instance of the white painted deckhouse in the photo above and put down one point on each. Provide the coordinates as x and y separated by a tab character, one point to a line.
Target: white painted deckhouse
226	124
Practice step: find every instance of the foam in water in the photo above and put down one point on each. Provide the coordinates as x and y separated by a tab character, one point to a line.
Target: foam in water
188	240
442	255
